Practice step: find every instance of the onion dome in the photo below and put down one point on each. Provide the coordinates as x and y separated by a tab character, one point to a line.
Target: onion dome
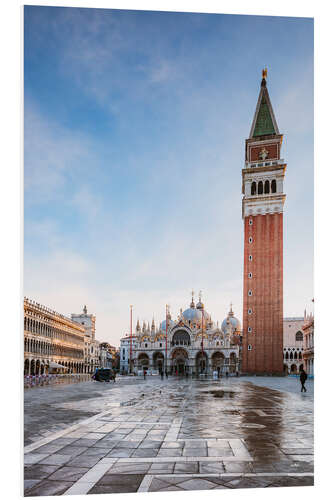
192	314
200	305
231	319
170	324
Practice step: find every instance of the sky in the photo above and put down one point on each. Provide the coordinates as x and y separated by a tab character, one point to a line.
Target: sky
134	132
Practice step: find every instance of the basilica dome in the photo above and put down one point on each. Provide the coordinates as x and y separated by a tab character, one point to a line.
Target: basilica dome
170	324
235	323
192	314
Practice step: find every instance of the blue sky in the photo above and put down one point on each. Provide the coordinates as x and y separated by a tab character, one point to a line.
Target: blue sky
135	125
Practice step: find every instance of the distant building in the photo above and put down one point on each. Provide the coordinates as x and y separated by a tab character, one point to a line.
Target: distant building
107	356
124	352
88	321
91	345
308	328
52	342
293	350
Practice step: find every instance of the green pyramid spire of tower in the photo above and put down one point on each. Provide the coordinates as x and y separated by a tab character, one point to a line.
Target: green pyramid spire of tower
264	122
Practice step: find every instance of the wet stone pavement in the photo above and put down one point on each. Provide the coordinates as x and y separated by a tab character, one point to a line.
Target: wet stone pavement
169	435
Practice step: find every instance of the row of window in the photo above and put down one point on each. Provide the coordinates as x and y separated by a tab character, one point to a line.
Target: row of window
263	187
34	346
291	355
49	331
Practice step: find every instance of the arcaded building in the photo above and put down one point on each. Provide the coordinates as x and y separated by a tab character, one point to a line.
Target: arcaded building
51	341
308	328
293	349
192	344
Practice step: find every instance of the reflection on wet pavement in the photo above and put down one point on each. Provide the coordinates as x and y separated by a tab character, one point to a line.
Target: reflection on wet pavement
170	435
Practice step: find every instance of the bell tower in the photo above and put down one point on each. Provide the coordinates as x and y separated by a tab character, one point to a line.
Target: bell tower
262	213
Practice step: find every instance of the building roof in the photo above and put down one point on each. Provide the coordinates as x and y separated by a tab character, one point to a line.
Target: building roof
264	122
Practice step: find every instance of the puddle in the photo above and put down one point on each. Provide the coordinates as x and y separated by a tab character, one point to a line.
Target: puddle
221	394
253	426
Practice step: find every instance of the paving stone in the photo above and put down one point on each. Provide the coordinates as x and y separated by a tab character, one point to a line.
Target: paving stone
49	488
30	483
98	452
238	466
68	474
195	452
50	448
145	452
71	450
55	459
157	484
122	483
149	443
188	467
83	461
197	484
211	467
39	471
34	458
86	443
170	452
120	453
162	468
173	444
132	468
128	444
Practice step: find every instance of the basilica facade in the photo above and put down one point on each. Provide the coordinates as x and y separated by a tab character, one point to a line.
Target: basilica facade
190	345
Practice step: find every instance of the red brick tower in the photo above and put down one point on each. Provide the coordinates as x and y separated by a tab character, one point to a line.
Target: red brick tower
262	212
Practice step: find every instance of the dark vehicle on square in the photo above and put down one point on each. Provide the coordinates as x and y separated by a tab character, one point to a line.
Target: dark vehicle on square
104	375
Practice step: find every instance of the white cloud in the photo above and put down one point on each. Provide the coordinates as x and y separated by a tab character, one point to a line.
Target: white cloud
52	155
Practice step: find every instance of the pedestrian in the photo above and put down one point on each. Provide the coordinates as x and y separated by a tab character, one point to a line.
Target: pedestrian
166	373
144	374
303	376
227	374
162	374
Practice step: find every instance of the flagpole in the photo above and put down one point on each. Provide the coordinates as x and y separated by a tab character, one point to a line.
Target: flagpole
166	338
202	320
131	308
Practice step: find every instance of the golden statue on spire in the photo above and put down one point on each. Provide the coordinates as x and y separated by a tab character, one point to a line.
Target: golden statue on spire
264	73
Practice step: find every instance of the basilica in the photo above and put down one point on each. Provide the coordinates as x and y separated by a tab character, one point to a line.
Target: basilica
190	345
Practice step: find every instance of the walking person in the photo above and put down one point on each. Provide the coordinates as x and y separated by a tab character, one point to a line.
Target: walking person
303	376
144	374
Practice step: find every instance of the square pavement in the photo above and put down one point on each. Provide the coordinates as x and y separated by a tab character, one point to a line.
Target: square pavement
173	435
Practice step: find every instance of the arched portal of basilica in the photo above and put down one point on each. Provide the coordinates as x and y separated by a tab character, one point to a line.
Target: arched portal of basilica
180	361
